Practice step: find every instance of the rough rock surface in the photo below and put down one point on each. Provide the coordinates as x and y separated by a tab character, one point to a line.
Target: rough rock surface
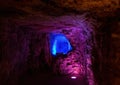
21	23
25	46
101	8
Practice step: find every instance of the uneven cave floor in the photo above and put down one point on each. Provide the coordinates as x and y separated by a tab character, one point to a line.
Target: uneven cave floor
49	79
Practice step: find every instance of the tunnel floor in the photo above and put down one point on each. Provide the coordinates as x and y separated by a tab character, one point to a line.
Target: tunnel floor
50	79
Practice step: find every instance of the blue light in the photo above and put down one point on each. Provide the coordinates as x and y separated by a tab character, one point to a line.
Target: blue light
59	44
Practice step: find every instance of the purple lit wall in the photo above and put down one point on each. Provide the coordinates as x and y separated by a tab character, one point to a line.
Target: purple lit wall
78	62
31	46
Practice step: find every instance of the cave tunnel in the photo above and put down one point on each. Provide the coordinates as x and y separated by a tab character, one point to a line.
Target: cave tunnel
57	42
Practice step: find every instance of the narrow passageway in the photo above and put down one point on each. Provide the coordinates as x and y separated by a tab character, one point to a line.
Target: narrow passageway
57	42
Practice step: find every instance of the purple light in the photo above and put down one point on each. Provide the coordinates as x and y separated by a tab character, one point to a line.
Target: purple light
73	77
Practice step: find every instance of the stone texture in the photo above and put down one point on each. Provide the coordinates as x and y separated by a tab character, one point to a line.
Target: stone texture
22	28
101	8
26	47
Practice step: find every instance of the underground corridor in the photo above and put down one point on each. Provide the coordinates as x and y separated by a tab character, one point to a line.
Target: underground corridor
57	42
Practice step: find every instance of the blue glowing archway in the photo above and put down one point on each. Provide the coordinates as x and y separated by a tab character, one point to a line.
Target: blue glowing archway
59	44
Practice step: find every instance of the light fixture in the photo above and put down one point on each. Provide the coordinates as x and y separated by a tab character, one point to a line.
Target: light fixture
59	44
73	77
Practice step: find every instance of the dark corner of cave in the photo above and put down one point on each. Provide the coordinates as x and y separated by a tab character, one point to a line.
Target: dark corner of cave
59	42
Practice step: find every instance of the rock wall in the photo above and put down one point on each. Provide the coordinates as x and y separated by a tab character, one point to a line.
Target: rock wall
23	25
25	46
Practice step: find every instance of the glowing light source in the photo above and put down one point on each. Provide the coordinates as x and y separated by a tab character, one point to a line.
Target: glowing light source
59	44
73	77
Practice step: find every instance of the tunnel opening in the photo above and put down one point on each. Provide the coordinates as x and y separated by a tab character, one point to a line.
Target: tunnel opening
59	44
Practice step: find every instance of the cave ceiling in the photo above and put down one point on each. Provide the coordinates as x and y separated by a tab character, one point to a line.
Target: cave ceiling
101	8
